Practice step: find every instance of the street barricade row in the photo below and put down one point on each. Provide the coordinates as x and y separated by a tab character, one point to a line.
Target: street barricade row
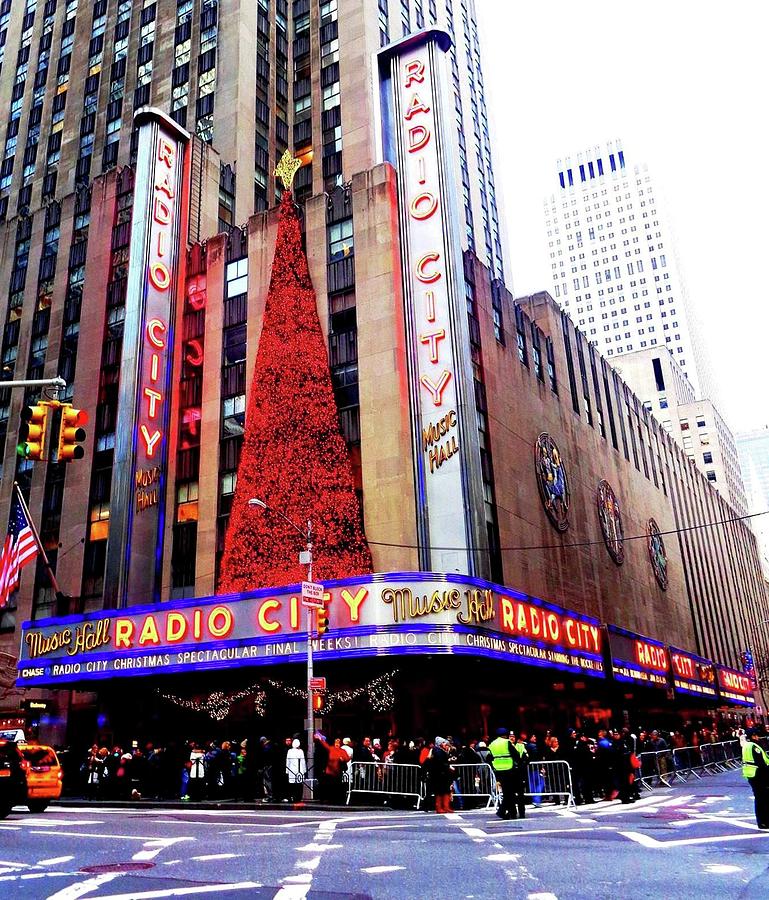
475	784
682	763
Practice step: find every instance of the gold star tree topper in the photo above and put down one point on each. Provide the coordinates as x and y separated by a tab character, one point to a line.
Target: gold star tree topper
287	169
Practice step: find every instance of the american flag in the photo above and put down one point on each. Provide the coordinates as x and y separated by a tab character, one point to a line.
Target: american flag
19	549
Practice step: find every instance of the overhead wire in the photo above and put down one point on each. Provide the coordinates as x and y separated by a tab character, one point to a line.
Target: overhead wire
575	544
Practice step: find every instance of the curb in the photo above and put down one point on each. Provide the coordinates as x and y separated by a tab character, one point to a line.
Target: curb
216	804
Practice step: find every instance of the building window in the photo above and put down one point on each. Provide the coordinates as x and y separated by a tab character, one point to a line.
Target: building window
707	457
711	475
340	240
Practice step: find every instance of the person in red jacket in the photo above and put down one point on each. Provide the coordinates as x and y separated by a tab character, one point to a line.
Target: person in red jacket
336	768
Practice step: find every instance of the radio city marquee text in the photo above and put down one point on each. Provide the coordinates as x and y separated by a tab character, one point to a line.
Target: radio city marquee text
436	375
155	352
267	626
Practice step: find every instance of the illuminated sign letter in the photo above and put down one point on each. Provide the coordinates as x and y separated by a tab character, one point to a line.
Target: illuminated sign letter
414	107
421	268
423	205
436	389
160	276
415	72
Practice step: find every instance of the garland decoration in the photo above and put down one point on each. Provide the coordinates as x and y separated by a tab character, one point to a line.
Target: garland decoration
379	692
218	705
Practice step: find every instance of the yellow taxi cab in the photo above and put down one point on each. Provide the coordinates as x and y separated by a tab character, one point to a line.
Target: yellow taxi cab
43	775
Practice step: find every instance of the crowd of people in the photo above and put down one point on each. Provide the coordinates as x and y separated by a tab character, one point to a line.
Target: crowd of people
607	765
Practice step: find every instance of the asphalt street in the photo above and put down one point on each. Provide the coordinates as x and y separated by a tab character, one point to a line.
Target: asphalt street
696	839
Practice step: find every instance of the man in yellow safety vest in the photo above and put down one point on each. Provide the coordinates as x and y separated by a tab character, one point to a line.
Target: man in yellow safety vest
755	767
508	763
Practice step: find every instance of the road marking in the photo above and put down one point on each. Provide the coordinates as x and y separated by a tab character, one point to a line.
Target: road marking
297	885
10	827
119	837
211	856
721	869
36	875
419	825
646	841
542	896
55	860
503	857
381	870
54	822
155	846
177	892
729	820
525	833
15	865
317	848
84	887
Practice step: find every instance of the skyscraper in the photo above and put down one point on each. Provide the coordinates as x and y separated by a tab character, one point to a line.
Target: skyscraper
612	261
753	450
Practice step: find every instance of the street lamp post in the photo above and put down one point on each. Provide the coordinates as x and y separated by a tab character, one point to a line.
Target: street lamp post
305	558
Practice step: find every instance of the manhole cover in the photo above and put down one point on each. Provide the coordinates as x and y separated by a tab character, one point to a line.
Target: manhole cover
117	867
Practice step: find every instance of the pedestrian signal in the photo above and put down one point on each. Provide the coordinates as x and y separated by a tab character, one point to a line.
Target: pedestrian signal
317	702
71	433
321	620
32	431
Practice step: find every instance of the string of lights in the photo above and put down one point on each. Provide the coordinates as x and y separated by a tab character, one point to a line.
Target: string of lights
218	705
379	692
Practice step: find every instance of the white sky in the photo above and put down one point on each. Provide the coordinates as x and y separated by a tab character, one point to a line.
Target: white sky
684	85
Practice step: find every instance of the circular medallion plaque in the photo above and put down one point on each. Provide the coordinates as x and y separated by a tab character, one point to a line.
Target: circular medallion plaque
657	555
610	518
552	481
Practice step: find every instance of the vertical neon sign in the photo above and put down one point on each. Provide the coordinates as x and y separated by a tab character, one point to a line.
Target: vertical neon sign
446	450
137	504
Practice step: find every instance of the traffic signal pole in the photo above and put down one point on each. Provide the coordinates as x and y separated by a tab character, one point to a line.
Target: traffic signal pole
57	382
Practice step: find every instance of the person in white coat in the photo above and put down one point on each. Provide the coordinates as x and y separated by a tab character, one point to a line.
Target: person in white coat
296	769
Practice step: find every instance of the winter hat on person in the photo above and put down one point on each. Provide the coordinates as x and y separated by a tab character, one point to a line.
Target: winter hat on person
295	743
482	744
346	741
502	732
439	741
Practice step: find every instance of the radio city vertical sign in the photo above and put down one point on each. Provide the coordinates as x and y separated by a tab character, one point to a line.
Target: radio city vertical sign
418	134
137	504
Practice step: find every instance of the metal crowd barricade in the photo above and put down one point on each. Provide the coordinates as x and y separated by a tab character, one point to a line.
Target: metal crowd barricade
550	778
687	761
474	781
386	780
733	754
656	766
714	758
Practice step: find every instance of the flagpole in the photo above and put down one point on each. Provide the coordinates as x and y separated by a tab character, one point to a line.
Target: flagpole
33	528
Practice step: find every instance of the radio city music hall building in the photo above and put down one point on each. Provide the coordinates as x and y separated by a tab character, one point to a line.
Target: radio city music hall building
535	526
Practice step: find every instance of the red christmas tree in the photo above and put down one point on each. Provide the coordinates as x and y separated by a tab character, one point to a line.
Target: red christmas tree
294	457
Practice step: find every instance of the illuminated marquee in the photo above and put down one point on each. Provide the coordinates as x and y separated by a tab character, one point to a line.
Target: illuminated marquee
735	687
134	550
638	659
445	435
373	615
692	674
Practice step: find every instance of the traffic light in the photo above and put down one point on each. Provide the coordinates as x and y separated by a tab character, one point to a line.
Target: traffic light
321	620
32	431
317	702
71	433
